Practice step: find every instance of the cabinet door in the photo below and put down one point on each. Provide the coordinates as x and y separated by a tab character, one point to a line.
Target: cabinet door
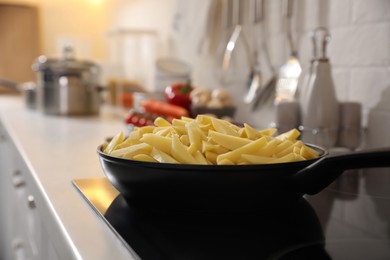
17	214
9	223
4	169
19	42
23	233
47	250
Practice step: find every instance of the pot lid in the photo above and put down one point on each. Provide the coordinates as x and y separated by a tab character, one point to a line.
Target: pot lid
67	63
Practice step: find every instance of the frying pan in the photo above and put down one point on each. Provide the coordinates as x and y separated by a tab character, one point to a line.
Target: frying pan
231	188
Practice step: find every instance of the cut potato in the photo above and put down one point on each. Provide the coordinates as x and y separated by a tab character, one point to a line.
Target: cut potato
129	151
144	158
162	157
251	148
117	139
160	142
228	141
180	153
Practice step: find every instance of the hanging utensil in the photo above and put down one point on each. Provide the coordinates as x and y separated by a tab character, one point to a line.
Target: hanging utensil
230	47
214	29
266	92
290	72
255	77
231	22
235	13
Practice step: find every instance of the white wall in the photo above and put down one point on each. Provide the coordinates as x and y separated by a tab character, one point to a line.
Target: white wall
359	50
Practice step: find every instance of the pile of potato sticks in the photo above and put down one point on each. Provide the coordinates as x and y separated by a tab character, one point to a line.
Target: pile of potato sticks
208	140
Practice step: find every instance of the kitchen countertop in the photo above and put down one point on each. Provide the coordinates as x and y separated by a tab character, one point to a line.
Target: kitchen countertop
58	150
353	211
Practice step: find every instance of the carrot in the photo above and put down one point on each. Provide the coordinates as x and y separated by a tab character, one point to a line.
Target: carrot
164	109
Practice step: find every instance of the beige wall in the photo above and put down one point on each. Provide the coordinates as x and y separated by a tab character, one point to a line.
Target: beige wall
85	23
81	23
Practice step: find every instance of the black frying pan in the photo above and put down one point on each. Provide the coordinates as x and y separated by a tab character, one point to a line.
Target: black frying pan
231	187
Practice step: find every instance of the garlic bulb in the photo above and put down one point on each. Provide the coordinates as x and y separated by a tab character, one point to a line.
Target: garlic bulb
223	96
200	96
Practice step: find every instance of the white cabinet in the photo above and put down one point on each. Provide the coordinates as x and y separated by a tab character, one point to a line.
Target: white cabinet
23	234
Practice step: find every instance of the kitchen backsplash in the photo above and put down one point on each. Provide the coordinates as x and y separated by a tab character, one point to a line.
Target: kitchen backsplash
359	50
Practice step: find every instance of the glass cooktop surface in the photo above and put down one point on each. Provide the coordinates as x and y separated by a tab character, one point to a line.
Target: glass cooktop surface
350	219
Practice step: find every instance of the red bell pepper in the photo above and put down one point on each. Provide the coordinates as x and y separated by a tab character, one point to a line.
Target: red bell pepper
179	94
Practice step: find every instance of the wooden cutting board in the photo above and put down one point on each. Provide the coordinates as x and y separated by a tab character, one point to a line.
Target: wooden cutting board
19	42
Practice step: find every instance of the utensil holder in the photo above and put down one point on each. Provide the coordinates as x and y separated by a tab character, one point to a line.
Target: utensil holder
350	132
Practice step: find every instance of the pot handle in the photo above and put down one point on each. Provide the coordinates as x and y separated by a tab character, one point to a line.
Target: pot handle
9	84
317	176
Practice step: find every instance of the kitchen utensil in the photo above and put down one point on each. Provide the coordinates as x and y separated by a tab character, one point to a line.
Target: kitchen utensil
230	187
290	72
230	24
237	34
255	77
230	47
28	90
305	78
319	104
265	92
213	32
66	86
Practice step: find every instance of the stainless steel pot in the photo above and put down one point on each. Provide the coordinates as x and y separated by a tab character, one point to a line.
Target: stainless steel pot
67	86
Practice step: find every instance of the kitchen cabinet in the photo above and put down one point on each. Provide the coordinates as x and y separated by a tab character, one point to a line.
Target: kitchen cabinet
42	215
24	235
19	30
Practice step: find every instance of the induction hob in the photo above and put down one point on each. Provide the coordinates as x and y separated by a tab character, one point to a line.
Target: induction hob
348	220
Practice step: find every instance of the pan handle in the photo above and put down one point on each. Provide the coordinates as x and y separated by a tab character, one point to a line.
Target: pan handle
317	176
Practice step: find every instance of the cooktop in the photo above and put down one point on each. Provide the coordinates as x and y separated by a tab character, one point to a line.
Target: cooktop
350	219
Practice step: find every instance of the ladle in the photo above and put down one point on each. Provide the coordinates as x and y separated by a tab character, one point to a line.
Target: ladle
290	72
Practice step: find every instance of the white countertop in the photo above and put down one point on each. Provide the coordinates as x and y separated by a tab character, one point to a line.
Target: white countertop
58	150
